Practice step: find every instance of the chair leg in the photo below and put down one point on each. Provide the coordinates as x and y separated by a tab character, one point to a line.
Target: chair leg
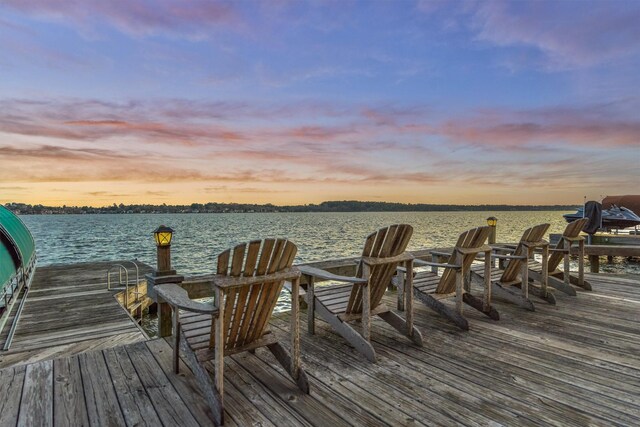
400	285
554	282
176	339
445	311
511	296
211	394
547	296
347	332
284	358
576	281
401	326
479	305
311	315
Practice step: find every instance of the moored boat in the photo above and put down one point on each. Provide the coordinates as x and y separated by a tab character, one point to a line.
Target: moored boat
616	217
17	260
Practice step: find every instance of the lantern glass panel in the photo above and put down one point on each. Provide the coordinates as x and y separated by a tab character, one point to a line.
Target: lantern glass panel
163	238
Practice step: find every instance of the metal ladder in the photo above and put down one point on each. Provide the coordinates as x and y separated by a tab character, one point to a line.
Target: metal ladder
126	283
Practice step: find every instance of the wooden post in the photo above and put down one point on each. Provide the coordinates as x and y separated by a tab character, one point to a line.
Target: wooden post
164	319
218	338
567	247
581	263
594	260
164	258
492	222
176	340
525	273
366	303
295	328
545	269
401	289
492	235
408	294
487	281
435	258
311	304
459	283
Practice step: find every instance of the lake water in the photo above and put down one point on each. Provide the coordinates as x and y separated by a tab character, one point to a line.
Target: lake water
199	238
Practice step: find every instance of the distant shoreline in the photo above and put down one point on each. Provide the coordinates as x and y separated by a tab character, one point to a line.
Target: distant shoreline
324	207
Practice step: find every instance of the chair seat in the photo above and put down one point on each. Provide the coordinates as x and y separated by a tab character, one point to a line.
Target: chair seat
335	297
426	282
495	273
537	267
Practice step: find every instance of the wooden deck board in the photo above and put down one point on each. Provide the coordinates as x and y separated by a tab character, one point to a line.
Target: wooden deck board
69	310
572	364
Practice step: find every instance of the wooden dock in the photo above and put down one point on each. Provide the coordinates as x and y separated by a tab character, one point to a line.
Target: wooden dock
575	363
69	310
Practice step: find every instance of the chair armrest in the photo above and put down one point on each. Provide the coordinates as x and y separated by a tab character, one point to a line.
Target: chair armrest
177	297
325	275
421	263
371	261
508	256
440	253
504	249
573	239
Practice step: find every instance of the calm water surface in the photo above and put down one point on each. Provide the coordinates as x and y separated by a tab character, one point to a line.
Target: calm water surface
199	238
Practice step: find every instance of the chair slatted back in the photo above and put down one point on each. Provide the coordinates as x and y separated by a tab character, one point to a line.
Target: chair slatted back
573	230
387	242
530	236
471	239
248	308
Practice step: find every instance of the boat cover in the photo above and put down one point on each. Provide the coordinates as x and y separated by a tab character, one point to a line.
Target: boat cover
593	211
17	248
631	202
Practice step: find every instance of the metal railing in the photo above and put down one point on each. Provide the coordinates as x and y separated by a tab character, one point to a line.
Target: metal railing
121	269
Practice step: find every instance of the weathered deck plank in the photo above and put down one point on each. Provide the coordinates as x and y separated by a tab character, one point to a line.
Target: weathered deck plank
36	404
69	310
69	406
572	364
11	384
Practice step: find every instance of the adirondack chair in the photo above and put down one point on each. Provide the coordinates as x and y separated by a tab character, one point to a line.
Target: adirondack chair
247	285
516	272
432	289
560	279
361	297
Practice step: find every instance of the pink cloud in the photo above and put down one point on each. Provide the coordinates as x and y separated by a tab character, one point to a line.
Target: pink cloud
89	140
538	127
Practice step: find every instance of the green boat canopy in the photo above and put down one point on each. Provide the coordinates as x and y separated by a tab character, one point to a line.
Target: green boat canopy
17	248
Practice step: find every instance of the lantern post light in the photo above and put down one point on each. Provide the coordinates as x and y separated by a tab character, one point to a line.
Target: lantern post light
163	236
163	273
492	221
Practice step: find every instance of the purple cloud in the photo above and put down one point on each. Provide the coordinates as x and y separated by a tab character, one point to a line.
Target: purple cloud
568	34
140	17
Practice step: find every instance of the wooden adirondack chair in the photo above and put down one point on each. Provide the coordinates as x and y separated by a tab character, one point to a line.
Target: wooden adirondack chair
361	297
560	279
432	289
516	272
247	285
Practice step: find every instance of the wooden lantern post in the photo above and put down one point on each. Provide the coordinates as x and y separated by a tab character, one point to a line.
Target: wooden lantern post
163	274
492	221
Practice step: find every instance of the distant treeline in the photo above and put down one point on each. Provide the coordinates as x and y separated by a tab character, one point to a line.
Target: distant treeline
333	206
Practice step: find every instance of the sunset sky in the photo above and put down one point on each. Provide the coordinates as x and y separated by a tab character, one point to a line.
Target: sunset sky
290	102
